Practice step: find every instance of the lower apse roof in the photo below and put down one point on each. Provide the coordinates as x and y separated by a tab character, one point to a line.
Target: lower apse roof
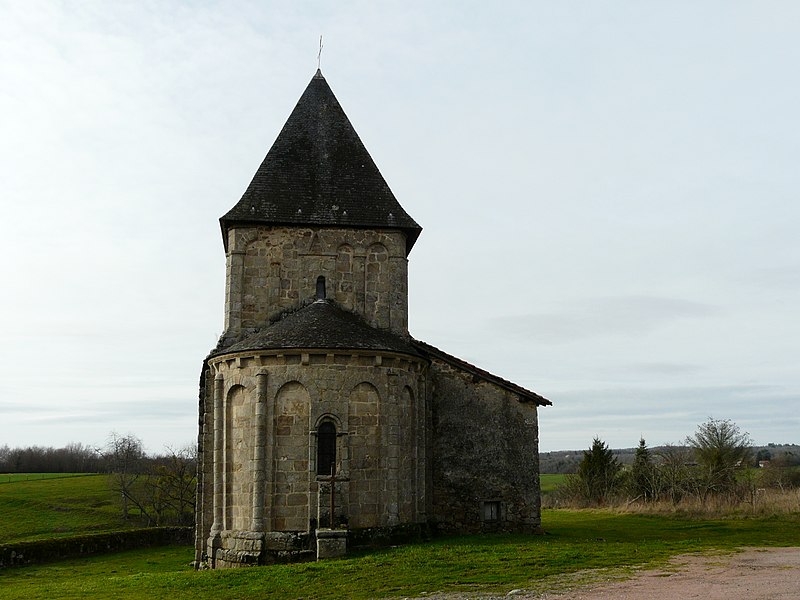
322	324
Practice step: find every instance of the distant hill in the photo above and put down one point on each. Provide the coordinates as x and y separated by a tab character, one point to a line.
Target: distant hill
566	461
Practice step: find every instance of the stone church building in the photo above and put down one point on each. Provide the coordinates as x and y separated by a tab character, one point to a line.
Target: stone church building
316	383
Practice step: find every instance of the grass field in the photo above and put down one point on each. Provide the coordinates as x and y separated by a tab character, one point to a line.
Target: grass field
15	477
43	505
39	508
613	543
604	542
549	482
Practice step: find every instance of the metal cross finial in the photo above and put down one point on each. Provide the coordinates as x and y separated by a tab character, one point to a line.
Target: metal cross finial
319	55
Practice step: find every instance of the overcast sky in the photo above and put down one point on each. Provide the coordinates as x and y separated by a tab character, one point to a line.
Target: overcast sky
608	191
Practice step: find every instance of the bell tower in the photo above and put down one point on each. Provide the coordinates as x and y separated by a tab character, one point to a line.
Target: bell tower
317	207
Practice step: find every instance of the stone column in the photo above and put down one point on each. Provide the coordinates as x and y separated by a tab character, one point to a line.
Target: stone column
359	282
219	465
424	427
233	291
390	416
269	462
259	476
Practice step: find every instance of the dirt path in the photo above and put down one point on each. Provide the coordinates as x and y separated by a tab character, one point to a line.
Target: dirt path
753	574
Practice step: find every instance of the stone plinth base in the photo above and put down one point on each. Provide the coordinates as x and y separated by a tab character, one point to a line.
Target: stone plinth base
280	546
231	549
237	549
331	543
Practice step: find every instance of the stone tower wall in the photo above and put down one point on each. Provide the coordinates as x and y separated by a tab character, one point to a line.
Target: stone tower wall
272	269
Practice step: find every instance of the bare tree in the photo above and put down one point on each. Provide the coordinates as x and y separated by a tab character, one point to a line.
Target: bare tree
161	488
720	448
125	458
172	482
674	471
5	458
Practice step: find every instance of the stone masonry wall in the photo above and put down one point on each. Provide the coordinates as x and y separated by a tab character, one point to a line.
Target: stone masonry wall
271	269
380	444
485	455
204	507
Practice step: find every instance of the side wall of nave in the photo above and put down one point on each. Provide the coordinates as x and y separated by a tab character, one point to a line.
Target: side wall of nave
485	454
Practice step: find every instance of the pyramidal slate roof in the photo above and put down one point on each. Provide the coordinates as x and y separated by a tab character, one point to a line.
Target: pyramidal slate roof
318	172
322	324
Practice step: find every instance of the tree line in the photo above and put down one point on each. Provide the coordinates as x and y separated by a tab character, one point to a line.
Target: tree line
72	458
716	463
565	462
157	489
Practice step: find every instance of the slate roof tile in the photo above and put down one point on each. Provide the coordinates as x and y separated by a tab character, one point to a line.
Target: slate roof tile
318	172
322	324
525	395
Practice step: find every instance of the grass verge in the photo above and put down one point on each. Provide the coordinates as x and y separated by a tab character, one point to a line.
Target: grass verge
578	540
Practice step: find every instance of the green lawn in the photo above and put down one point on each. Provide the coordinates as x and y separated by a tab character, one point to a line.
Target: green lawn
550	481
40	508
577	540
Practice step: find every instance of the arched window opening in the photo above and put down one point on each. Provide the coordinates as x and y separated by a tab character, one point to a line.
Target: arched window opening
326	448
321	288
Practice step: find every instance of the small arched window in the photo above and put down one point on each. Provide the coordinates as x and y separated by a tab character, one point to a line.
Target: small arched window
321	295
326	448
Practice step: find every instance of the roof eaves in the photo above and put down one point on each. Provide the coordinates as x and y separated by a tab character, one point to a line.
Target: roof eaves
524	394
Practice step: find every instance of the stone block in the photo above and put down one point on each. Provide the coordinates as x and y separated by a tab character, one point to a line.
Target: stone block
331	543
297	500
296	523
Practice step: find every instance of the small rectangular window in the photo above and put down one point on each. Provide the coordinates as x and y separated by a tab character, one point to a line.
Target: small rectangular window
491	510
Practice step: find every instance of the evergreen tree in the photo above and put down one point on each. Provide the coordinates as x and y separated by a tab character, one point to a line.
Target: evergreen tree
599	472
642	480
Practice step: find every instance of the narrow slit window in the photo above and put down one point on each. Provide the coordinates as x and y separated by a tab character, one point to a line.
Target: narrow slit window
321	294
326	448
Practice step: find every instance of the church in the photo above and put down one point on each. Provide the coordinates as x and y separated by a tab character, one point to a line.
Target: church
322	422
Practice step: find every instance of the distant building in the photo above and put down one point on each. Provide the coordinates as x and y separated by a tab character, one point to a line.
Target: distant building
316	371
